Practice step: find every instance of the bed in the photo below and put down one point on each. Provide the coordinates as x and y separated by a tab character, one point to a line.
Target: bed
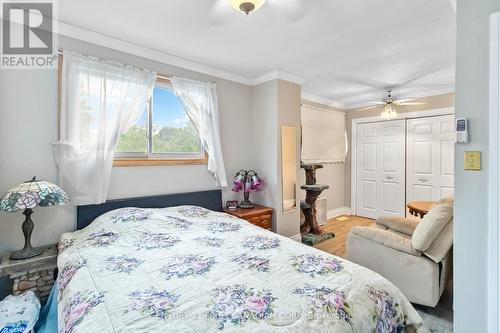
192	268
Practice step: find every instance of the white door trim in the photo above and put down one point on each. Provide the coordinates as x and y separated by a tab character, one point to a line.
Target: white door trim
356	121
494	168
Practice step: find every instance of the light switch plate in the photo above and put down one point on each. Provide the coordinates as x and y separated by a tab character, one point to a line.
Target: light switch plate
472	160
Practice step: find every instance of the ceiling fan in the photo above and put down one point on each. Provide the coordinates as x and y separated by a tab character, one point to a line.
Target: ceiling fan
223	10
389	103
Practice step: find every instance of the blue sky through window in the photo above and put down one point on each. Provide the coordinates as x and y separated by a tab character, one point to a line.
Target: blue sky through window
167	109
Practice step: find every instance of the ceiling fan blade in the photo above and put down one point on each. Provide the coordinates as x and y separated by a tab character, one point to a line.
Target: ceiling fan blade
411	103
220	12
368	107
399	101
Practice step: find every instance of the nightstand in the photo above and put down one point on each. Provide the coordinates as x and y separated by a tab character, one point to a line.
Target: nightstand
36	274
260	216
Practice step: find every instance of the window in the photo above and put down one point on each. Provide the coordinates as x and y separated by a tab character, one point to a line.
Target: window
163	135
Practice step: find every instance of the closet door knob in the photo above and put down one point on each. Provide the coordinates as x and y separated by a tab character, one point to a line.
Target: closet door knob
389	177
423	180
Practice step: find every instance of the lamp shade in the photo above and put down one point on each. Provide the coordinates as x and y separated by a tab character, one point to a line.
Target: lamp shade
33	193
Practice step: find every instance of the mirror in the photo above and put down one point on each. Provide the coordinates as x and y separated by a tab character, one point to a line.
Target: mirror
289	167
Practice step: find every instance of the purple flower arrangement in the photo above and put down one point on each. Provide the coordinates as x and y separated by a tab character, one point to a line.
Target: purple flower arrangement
261	242
237	304
153	303
193	211
178	222
316	265
388	318
155	240
123	263
252	262
77	308
64	244
220	227
210	241
131	215
182	266
67	273
326	300
102	238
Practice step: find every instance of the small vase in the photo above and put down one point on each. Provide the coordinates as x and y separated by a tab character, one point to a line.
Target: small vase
246	203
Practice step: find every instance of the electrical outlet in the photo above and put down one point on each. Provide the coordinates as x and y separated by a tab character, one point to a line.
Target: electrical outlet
472	160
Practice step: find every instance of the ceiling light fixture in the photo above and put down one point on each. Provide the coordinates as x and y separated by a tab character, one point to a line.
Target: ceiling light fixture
247	6
389	112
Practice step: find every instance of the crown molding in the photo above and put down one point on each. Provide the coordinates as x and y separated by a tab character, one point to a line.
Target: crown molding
278	75
322	100
97	38
86	35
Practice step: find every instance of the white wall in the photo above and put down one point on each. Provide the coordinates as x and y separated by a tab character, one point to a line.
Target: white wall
28	126
263	146
471	188
288	115
274	104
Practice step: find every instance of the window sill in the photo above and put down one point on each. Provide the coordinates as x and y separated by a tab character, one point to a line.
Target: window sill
135	162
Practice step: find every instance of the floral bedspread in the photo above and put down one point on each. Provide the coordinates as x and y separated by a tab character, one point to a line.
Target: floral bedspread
188	269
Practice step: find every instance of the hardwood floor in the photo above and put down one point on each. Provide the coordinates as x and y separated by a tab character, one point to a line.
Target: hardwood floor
341	226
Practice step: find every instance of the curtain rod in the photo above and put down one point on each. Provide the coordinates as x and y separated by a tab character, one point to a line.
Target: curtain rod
158	75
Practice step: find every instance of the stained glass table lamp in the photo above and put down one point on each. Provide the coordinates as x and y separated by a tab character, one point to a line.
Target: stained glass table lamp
27	196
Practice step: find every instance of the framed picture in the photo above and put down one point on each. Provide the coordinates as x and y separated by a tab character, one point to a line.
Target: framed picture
231	204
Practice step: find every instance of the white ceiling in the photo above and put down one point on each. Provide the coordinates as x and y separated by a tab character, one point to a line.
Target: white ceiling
346	51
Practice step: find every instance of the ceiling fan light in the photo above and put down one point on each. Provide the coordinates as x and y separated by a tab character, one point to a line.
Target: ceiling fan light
389	112
247	6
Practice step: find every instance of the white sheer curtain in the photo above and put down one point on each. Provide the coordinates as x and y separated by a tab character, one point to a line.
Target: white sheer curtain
200	101
100	100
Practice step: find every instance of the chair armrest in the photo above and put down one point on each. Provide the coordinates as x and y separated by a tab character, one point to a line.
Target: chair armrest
401	224
387	238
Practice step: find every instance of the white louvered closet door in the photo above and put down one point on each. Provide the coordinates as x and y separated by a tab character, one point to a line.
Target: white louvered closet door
430	158
380	160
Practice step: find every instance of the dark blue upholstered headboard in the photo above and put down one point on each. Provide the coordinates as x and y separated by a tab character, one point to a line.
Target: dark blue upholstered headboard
208	199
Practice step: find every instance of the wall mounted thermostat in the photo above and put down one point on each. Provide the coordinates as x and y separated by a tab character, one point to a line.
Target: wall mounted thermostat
462	135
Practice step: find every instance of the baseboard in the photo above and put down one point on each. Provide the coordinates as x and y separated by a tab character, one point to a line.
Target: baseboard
297	238
337	212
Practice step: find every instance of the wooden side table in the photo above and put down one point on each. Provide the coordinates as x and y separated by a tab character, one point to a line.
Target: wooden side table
260	216
419	208
36	274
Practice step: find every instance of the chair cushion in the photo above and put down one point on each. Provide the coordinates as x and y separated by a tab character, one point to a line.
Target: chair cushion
449	199
431	225
442	244
387	238
401	224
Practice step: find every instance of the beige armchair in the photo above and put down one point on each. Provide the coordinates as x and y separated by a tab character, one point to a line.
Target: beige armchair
415	256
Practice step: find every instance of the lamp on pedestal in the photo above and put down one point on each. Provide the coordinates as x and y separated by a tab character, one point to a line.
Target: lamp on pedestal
27	196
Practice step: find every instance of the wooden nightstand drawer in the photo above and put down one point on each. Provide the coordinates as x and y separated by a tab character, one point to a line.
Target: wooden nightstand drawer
260	216
263	221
